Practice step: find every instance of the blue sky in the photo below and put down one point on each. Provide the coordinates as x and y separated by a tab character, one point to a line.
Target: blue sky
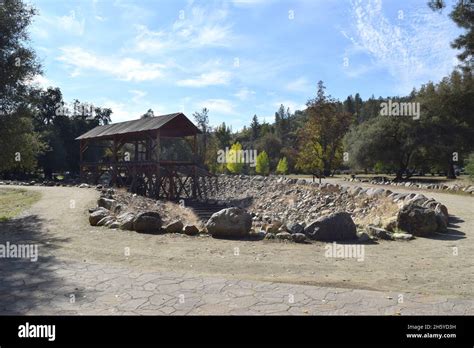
237	58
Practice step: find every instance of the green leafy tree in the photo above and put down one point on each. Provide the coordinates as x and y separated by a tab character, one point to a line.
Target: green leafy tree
234	159
469	167
321	139
263	164
18	66
282	167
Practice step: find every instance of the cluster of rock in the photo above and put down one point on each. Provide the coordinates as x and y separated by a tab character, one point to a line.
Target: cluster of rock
295	209
113	211
279	208
469	189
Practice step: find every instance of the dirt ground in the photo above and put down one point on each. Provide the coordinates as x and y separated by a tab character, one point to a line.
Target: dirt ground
442	264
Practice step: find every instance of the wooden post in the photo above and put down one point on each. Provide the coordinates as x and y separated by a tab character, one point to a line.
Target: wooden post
114	162
81	159
194	181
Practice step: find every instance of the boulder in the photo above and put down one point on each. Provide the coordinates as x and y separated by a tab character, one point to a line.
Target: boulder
125	221
98	215
174	227
441	218
191	230
106	203
417	220
147	222
230	222
336	226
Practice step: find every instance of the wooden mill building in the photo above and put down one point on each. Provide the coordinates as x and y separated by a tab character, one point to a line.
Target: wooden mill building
154	156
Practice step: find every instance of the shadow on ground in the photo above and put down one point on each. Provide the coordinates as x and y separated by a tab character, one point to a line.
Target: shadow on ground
26	284
451	232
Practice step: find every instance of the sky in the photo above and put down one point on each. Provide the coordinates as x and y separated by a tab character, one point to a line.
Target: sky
237	58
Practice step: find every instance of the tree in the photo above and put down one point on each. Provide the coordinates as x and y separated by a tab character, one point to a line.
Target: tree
469	167
263	164
447	120
463	15
282	167
320	141
271	145
19	142
385	140
18	66
282	123
223	135
234	159
255	126
202	120
102	115
148	114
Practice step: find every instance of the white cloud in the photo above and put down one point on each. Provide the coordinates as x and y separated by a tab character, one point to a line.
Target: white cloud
195	28
131	111
413	51
299	85
245	3
127	69
244	94
71	23
138	95
42	82
206	79
218	106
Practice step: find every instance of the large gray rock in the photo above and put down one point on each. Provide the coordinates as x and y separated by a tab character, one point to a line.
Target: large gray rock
125	221
336	226
106	203
442	217
230	222
98	215
147	222
417	220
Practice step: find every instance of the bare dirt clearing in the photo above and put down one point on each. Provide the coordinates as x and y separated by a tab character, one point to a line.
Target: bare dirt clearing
424	265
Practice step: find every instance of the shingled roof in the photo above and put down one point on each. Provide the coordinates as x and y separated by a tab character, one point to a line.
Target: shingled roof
176	124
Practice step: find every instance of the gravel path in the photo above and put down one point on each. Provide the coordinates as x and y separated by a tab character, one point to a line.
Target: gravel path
120	272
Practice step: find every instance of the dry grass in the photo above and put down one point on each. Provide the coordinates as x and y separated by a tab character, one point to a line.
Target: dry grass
14	201
169	211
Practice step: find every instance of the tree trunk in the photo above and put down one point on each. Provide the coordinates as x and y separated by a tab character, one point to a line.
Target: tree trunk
451	174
